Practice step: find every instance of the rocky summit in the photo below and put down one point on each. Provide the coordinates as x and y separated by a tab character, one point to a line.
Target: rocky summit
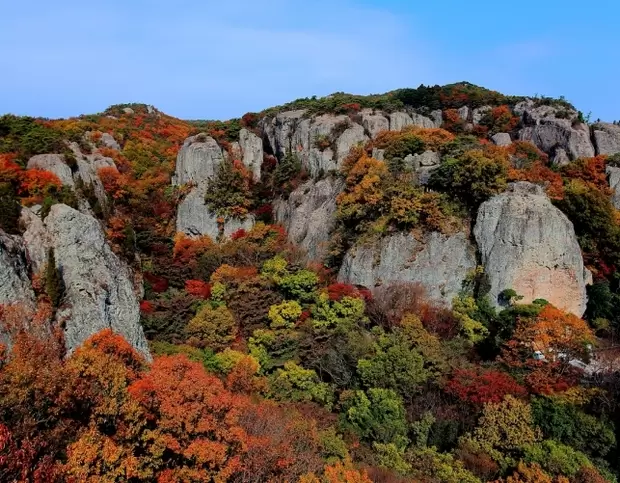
386	282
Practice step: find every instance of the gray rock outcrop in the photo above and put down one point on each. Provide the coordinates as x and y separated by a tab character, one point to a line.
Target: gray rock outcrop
197	162
308	215
479	113
99	292
252	149
528	245
439	264
54	163
606	138
108	141
15	287
374	123
551	128
501	139
613	174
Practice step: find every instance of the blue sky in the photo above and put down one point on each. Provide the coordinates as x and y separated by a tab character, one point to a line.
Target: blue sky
217	60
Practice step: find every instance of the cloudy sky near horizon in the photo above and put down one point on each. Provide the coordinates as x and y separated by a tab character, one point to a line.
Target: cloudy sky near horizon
216	60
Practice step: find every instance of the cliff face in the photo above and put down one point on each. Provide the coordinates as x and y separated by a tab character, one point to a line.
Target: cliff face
98	287
439	264
528	245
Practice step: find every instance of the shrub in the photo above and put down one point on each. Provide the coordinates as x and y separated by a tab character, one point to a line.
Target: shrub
212	328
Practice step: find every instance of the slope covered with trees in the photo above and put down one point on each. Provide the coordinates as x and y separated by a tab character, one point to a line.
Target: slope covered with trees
265	366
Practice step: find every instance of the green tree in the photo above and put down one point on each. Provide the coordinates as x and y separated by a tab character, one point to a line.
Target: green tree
228	193
53	281
212	328
300	285
9	209
294	383
377	415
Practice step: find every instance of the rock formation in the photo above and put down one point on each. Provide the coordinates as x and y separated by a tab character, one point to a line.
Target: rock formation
197	162
606	138
613	174
54	163
439	264
551	128
15	285
308	215
528	245
99	292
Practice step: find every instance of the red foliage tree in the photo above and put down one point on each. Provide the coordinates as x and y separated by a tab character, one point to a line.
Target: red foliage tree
479	386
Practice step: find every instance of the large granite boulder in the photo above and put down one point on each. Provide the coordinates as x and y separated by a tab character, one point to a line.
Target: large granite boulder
197	163
528	245
374	123
252	148
293	131
15	287
54	163
99	292
613	175
553	127
308	215
439	264
606	138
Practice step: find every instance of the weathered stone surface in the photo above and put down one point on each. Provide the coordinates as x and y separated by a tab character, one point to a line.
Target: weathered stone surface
439	264
99	292
108	141
560	158
425	122
399	120
378	154
36	239
54	163
195	219
128	110
501	139
353	136
15	287
198	160
479	113
374	123
252	149
428	158
309	215
464	113
437	117
614	183
553	127
606	138
528	245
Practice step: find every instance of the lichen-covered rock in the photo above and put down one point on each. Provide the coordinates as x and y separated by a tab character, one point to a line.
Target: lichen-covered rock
99	292
427	123
464	113
54	163
613	174
528	245
15	286
606	138
252	149
308	215
501	139
439	264
353	136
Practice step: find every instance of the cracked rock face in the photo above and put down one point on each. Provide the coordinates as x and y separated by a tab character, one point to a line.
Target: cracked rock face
99	291
606	138
15	285
613	175
308	215
439	264
198	162
528	245
54	163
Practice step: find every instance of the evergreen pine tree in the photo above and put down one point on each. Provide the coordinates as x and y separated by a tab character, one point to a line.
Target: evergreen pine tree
53	282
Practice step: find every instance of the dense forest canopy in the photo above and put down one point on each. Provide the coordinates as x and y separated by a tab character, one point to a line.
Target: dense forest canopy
267	368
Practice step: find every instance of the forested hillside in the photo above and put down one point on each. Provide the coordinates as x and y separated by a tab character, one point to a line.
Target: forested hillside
421	285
